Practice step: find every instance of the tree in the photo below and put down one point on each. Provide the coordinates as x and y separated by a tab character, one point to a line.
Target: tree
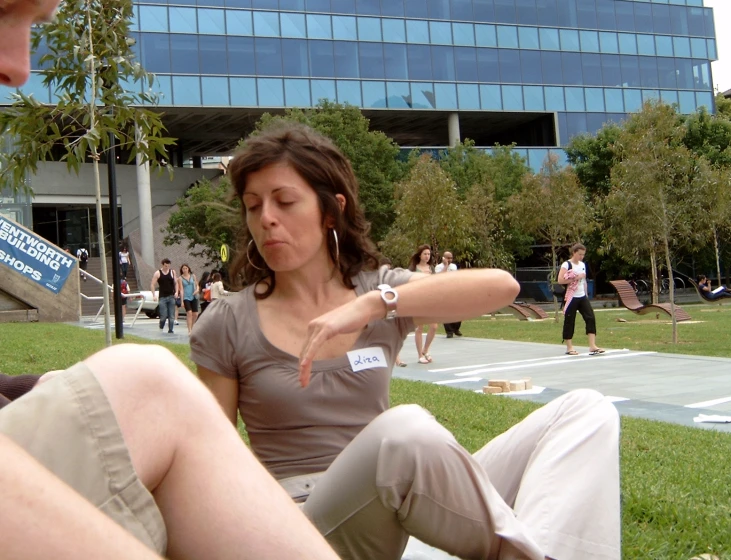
553	207
372	154
654	202
592	158
709	136
723	106
428	210
89	66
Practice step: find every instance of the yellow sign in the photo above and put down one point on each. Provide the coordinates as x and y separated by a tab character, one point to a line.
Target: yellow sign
224	253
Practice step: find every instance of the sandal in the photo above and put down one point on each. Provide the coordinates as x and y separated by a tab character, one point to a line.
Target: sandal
597	351
401	364
572	353
423	359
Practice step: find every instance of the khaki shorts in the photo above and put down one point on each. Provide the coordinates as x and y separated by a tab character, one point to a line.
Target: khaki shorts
68	425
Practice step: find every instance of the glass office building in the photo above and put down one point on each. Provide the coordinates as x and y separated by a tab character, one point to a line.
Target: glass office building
533	72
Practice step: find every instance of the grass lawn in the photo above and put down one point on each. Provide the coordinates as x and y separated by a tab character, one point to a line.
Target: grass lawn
676	484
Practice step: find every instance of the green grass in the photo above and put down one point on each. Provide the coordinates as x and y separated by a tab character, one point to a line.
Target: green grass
676	484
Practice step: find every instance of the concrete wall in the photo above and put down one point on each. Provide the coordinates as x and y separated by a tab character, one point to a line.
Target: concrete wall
53	183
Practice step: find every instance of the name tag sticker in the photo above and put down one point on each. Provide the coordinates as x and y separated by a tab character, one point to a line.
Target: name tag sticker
367	358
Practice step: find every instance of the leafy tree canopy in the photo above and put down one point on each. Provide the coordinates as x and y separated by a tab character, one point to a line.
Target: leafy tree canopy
709	136
592	158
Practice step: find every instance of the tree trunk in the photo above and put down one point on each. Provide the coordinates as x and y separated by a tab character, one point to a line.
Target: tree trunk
671	288
554	278
718	256
653	271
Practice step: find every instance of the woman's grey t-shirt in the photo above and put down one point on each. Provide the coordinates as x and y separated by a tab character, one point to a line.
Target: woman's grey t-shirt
295	430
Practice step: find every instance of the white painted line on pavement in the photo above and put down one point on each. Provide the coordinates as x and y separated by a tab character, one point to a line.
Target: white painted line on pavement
615	399
461	380
563	360
546	359
706	404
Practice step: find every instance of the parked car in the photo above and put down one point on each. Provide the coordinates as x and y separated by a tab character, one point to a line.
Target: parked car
150	306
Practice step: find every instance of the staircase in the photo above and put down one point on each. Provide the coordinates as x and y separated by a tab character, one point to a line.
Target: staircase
92	289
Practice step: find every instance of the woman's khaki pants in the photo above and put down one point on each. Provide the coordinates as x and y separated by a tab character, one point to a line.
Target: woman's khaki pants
548	487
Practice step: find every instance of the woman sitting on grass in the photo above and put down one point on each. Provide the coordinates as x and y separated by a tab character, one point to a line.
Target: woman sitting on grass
305	354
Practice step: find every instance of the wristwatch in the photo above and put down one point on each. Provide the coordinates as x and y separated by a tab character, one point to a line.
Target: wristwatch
390	298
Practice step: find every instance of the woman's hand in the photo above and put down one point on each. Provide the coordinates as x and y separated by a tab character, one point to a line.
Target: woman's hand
348	318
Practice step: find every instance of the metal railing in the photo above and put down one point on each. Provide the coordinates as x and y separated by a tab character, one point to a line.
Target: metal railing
128	297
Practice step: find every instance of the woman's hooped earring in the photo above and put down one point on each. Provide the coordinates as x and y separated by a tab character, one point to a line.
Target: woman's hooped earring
248	258
337	247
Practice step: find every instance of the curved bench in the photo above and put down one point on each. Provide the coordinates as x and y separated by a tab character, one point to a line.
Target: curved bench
628	298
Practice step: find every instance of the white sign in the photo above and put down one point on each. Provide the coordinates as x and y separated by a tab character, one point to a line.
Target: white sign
367	358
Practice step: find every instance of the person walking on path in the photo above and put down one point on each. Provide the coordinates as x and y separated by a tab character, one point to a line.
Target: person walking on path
421	261
165	279
124	260
573	275
188	288
447	265
83	255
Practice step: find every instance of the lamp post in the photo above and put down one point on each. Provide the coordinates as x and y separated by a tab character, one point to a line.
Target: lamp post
114	232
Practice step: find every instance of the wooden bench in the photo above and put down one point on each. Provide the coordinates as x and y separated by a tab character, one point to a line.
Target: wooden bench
704	297
524	311
628	298
535	309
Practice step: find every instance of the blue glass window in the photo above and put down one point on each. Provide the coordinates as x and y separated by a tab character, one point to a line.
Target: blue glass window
586	11
182	20
605	14
643	17
268	56
374	94
155	48
549	39
318	27
591	68
163	87
419	57
211	22
263	4
551	66
589	41
270	92
297	93
464	34
442	63
370	57
462	10
509	66
134	23
416	9
324	6
399	95
547	12
569	40
215	92
345	27
323	89
575	99
440	32
650	95
484	10
687	102
648	72
528	38
530	67
625	16
666	73
664	45
395	61
369	29
186	90
567	16
630	66
468	96
346	60
491	98
678	20
213	54
488	68
571	66
684	71
698	48
422	96
394	30
710	27
184	54
465	62
594	100
34	86
554	99
505	11
701	74
627	43
368	7
445	96
238	22
486	35
294	5
646	45
266	24
533	98
295	57
349	92
512	98
322	61
632	100
712	54
293	25
669	97
153	18
613	100
526	12
608	42
595	121
241	56
576	124
243	92
417	31
393	8
661	18
507	37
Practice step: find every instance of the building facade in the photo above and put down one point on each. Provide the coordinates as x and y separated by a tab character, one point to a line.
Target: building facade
426	72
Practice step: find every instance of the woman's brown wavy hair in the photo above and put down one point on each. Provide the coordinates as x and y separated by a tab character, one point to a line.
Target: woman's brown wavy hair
324	167
416	257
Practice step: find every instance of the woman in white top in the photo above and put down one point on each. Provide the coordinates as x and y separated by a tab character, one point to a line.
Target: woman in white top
421	261
217	289
124	260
